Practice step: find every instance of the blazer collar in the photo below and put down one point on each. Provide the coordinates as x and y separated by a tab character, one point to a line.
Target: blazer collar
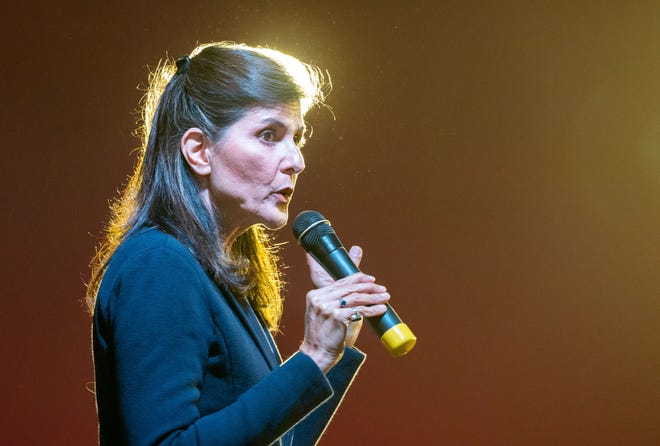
255	327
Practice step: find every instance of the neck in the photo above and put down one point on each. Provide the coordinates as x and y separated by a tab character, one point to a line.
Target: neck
230	237
229	228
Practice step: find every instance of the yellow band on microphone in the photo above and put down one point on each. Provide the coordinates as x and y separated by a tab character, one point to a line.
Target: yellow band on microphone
399	340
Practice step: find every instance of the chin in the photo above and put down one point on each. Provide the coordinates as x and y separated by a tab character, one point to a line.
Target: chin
276	221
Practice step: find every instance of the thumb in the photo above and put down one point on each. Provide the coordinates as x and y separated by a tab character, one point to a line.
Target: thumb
356	254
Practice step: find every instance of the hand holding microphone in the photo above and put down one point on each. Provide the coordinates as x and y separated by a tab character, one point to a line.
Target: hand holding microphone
317	237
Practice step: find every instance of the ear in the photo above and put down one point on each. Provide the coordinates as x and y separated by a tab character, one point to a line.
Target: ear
193	148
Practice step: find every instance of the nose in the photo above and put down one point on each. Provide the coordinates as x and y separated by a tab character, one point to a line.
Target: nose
293	162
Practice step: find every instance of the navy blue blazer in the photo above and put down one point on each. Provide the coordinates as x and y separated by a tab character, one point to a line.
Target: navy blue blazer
180	361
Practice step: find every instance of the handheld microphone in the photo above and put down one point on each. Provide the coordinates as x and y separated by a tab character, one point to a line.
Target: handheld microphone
317	237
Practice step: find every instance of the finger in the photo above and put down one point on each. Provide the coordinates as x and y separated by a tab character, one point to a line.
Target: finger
314	266
356	254
357	299
325	304
355	314
368	305
373	310
337	291
319	276
355	278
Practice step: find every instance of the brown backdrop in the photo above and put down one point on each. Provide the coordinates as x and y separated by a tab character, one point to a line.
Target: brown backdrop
499	164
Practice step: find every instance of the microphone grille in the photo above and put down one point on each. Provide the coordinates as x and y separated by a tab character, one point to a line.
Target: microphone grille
309	227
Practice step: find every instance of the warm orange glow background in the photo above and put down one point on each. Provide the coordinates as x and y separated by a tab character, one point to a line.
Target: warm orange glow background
500	166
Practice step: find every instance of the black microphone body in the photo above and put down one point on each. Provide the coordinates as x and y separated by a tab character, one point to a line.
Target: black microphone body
317	237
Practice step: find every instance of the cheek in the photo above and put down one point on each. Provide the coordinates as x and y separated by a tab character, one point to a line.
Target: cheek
253	173
258	168
245	173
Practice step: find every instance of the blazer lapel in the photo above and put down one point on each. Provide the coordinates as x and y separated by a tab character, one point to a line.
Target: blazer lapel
261	337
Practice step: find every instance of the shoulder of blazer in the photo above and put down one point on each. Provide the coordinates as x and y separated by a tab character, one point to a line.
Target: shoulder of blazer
153	238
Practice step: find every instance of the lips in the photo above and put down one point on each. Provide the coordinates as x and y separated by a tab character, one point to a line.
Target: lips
284	194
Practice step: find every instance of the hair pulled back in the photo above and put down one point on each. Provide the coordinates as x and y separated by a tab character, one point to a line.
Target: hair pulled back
210	90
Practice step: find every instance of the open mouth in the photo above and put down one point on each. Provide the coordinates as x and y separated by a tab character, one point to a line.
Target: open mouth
285	193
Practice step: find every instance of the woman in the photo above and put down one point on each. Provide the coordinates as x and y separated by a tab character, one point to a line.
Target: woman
185	288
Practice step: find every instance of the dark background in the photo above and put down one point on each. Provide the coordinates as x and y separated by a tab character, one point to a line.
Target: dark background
500	165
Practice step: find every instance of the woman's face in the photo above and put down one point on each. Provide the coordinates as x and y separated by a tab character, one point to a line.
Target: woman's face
254	167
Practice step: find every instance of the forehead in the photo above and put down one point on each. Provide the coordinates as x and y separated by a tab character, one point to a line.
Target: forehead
284	115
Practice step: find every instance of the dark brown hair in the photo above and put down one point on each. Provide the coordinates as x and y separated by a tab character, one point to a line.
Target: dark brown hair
211	90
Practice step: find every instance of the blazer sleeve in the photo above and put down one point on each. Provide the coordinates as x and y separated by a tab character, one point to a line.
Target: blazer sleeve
159	329
341	376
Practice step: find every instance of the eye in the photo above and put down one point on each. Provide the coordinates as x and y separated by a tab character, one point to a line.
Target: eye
267	135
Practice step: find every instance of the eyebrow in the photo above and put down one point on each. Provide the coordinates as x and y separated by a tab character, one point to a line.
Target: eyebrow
277	123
